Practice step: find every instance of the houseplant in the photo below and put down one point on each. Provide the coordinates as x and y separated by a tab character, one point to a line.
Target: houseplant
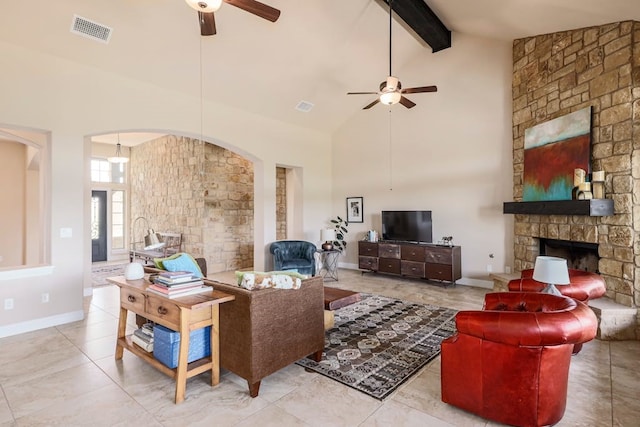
340	227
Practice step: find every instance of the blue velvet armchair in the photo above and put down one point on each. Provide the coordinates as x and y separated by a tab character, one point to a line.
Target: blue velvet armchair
295	255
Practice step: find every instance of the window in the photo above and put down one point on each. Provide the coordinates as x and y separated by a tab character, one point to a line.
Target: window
103	171
95	218
117	219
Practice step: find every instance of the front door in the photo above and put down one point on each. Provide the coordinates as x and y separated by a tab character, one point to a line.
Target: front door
98	226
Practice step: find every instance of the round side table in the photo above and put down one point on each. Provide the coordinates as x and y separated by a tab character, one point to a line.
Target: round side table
329	268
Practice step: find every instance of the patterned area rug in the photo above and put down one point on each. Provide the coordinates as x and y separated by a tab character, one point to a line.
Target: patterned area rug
380	342
99	273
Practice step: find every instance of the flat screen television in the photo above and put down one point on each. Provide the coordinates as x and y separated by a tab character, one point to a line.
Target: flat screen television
407	226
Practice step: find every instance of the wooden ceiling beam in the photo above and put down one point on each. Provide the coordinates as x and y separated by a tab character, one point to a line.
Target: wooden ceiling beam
422	20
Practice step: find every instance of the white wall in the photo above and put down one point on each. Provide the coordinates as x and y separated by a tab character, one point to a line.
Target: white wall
13	207
73	101
451	154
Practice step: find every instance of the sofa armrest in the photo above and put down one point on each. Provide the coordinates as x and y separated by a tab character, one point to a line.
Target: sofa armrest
262	331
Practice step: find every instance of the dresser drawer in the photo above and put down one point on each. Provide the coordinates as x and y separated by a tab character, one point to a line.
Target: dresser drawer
163	308
412	268
131	300
439	255
368	249
386	250
439	272
413	253
368	263
389	265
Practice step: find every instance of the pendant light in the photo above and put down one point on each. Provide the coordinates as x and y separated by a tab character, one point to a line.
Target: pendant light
118	158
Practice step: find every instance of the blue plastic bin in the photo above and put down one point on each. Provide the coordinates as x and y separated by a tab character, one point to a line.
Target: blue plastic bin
166	345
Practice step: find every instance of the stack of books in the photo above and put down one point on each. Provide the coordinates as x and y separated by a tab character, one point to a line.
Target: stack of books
143	337
174	284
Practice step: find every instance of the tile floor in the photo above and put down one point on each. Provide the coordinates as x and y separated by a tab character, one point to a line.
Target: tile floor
67	376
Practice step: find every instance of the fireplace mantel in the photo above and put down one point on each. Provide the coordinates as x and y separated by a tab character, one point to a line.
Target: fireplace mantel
593	207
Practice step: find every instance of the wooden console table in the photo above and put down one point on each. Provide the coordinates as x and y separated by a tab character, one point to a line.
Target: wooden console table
183	315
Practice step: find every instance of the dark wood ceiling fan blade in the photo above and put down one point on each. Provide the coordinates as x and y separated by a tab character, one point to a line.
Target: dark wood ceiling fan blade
207	23
420	89
372	104
259	9
362	93
407	102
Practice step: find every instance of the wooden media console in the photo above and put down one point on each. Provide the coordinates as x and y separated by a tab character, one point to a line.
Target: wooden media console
419	260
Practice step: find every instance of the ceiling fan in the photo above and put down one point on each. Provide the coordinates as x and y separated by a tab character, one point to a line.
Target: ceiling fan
391	91
207	8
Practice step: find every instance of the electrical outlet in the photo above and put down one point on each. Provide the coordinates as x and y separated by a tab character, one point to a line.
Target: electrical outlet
8	303
45	297
489	268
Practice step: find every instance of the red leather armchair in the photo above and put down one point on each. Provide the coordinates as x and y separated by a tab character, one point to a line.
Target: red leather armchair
583	285
510	361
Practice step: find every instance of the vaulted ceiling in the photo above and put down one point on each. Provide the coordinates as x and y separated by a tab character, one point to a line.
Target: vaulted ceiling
317	51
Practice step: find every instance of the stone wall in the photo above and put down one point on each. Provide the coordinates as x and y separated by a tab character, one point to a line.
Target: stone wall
556	74
200	190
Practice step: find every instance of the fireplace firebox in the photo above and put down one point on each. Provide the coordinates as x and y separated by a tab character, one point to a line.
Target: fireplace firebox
579	255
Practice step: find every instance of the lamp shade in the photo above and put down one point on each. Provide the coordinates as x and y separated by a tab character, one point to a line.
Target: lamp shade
152	240
327	235
551	270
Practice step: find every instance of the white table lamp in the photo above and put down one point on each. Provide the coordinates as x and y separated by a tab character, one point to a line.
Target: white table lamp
134	271
328	235
551	271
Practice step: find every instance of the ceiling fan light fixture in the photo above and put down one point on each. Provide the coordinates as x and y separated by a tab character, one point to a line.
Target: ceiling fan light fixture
393	83
205	6
390	98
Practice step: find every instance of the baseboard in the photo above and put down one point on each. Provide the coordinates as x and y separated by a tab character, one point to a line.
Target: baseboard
465	281
42	323
348	266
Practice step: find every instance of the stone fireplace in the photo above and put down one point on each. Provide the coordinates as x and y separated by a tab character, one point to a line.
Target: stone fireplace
556	74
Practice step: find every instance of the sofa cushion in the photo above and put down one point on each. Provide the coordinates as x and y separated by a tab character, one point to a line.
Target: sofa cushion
179	262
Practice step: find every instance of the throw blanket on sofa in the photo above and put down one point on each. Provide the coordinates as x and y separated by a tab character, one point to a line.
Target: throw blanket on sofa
253	281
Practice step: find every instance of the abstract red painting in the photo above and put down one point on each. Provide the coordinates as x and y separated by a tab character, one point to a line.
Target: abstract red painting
552	150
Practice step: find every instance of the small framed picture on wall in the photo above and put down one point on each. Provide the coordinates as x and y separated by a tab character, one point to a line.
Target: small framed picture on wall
354	209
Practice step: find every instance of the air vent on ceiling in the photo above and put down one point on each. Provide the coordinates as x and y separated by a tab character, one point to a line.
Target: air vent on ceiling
87	28
304	106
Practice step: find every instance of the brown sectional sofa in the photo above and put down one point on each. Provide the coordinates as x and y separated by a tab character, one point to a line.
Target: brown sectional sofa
262	331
